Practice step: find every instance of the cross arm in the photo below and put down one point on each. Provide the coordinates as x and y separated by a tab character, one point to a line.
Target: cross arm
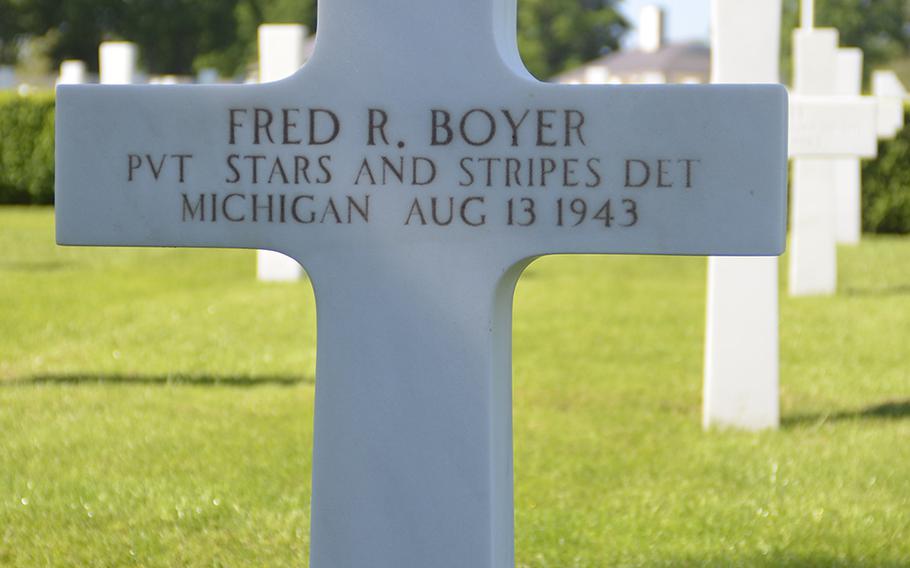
534	168
696	170
137	164
833	127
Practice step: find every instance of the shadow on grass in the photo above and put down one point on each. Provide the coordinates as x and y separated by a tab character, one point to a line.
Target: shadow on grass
780	559
898	290
34	265
890	410
165	380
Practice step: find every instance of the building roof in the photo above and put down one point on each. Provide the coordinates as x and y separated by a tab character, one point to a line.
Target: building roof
673	59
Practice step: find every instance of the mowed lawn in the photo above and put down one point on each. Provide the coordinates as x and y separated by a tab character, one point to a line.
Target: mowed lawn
156	410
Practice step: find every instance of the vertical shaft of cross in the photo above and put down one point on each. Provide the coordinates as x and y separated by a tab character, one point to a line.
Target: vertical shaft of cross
813	215
412	462
848	189
807	14
469	30
742	343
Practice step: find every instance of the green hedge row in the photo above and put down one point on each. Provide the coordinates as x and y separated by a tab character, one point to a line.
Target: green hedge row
886	185
27	164
26	148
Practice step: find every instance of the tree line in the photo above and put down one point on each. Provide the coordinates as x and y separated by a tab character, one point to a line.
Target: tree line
184	36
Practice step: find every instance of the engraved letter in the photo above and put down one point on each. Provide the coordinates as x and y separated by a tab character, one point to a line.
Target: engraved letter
135	161
263	121
464	212
234	123
574	125
288	125
646	173
230	163
661	172
224	208
416	170
181	158
443	125
491	128
156	173
542	125
336	126
689	171
189	209
515	125
378	120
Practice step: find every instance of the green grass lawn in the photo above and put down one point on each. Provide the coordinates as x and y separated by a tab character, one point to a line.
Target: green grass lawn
156	410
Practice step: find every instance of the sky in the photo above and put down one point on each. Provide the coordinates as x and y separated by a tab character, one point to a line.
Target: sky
685	19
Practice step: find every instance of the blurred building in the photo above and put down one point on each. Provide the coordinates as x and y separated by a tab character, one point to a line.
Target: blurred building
652	61
7	77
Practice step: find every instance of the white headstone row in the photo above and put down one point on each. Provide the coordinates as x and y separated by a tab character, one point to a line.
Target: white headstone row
831	128
118	66
825	126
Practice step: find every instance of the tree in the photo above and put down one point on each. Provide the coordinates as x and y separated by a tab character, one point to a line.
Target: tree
878	27
174	36
248	15
182	36
10	30
886	186
555	35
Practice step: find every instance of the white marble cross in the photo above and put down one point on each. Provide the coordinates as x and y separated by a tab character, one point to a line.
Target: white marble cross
823	127
741	343
415	168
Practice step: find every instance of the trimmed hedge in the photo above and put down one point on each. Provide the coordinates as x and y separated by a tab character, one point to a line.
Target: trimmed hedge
886	185
27	148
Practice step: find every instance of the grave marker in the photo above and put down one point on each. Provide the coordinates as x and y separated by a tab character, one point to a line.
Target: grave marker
416	168
207	76
72	72
823	127
117	62
741	343
848	171
280	56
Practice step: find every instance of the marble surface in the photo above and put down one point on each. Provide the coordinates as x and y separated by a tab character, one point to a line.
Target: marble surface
415	168
280	56
825	126
742	361
848	189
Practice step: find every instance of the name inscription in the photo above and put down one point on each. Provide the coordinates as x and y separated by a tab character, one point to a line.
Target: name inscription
511	167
